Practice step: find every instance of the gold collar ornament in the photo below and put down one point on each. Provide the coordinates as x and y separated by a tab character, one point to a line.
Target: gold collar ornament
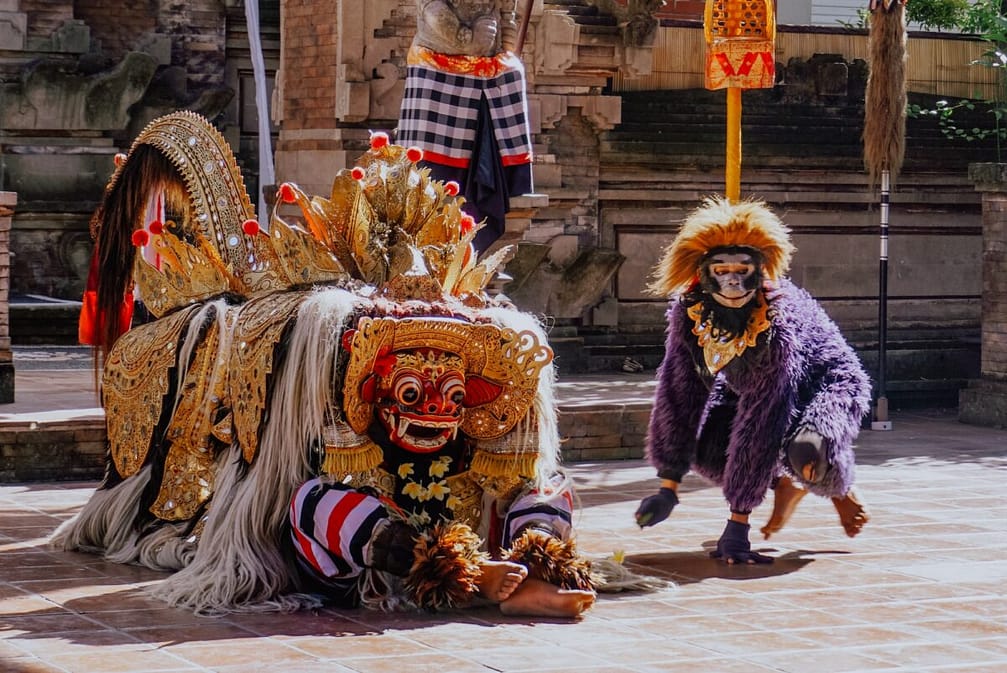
720	347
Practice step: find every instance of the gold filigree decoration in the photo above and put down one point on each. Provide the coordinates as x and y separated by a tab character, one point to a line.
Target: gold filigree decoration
719	347
216	190
509	359
302	258
466	499
379	479
259	326
188	478
134	383
514	360
187	274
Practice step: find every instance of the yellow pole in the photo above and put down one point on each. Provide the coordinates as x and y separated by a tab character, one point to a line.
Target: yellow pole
732	180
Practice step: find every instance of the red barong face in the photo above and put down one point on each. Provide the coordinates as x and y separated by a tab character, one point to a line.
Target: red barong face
419	397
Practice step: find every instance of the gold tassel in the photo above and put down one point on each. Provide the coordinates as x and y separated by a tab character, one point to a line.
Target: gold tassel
340	461
504	464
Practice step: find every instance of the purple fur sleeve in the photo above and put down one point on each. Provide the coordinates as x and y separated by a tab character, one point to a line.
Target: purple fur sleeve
836	389
807	376
761	421
678	402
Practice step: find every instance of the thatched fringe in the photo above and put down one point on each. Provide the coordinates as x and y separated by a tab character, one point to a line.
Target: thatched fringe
885	104
551	559
491	464
446	567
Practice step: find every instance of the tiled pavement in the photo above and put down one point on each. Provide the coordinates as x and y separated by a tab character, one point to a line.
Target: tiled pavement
921	589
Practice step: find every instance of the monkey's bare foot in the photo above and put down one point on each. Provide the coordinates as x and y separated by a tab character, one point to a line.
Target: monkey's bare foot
785	499
499	579
852	513
538	598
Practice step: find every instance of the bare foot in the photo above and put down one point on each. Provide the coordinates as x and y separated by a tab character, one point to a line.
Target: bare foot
785	499
538	598
499	579
852	513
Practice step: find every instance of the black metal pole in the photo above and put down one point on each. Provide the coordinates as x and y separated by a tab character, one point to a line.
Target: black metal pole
881	421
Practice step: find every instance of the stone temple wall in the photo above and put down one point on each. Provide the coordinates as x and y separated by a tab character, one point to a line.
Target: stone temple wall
78	82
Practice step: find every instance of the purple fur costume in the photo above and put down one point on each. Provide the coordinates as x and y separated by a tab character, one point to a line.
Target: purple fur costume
732	428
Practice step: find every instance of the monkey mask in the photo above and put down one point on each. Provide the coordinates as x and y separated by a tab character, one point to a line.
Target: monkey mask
717	263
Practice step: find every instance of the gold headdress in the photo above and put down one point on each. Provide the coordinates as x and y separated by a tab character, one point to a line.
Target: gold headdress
719	223
386	224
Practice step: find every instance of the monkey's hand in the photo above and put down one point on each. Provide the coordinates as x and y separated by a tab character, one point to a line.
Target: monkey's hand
808	455
734	547
655	508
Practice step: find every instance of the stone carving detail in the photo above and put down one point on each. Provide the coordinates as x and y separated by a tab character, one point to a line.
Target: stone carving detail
55	97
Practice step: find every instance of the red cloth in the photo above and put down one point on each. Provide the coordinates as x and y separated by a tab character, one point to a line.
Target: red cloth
90	326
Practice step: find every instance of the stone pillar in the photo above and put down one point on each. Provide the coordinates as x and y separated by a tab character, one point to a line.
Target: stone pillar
7	203
984	401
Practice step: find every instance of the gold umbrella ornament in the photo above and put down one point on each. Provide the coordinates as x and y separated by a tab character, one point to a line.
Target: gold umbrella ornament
740	54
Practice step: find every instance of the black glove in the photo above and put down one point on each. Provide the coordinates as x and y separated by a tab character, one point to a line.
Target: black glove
808	453
733	545
655	508
392	548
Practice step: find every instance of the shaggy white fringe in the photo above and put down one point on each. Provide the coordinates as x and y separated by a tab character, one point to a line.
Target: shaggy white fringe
220	312
239	566
105	525
610	576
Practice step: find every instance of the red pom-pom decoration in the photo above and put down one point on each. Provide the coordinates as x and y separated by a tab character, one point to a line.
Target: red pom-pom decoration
140	238
156	227
119	159
451	188
379	140
467	223
358	173
414	154
287	194
250	227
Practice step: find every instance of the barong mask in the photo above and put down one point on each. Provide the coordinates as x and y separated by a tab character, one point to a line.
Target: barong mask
425	378
418	397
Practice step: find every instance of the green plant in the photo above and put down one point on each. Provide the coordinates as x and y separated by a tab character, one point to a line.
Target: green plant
984	18
938	14
945	113
862	22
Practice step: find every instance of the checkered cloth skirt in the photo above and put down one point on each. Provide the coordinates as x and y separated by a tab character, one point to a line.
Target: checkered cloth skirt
440	110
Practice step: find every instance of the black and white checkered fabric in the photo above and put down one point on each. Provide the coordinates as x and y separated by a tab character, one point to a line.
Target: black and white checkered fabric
439	111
